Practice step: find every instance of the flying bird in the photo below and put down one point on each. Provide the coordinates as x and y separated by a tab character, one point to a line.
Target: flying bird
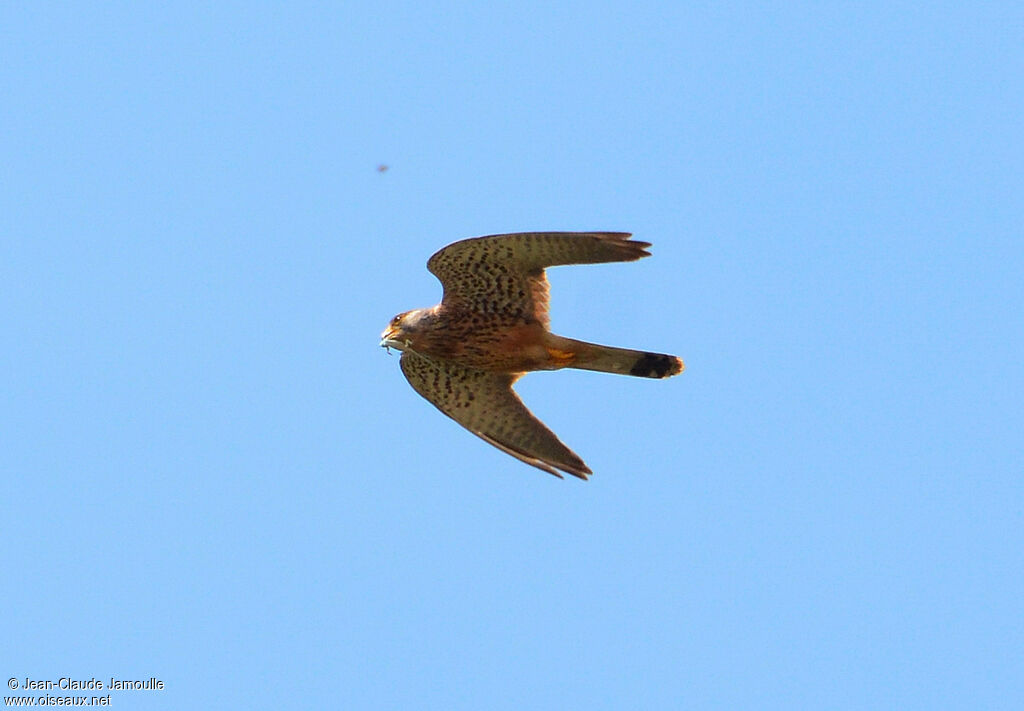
491	328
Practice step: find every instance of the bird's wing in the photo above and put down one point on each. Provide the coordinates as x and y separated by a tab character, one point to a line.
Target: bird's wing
504	274
485	404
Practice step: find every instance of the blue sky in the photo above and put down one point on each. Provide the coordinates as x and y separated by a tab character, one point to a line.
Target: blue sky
217	478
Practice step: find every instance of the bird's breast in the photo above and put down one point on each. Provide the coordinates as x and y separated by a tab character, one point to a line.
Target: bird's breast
506	348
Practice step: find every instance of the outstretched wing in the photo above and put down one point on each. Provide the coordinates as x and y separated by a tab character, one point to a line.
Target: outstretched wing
485	404
503	275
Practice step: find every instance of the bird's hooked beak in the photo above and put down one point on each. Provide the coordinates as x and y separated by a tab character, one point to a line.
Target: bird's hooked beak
392	338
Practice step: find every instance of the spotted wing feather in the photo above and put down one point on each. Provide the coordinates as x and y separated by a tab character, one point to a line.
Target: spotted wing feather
485	404
503	275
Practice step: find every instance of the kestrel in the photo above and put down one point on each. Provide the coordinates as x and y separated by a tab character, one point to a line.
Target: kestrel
491	328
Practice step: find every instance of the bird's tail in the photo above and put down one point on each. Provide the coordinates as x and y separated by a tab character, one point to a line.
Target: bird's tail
569	353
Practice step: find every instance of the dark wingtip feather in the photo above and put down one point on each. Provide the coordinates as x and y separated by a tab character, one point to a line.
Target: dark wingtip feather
583	473
631	249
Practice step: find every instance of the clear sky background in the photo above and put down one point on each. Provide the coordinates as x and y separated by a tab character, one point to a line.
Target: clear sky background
214	476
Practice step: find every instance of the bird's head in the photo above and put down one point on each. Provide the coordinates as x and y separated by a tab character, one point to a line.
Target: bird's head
405	330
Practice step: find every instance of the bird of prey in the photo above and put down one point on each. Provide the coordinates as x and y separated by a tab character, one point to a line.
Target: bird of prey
491	328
